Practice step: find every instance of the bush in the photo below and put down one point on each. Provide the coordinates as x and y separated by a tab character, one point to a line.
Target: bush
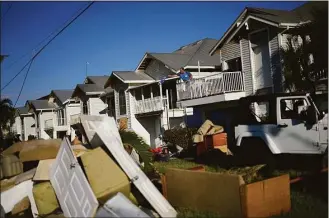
131	138
180	136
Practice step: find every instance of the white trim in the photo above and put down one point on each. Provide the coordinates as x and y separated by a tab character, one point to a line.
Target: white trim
138	81
140	63
270	55
94	93
227	32
201	67
157	81
118	77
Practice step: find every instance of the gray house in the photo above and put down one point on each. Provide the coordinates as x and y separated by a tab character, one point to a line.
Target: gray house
147	100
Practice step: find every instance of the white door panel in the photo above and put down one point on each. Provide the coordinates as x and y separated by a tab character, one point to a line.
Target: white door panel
70	184
109	135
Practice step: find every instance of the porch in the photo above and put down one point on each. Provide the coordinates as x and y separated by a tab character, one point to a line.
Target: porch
222	86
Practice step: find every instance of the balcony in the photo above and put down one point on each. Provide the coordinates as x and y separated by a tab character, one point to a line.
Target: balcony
75	118
149	105
49	124
224	85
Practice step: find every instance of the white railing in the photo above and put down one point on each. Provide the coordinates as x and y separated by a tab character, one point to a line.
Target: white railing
49	124
75	118
321	75
149	105
218	83
61	122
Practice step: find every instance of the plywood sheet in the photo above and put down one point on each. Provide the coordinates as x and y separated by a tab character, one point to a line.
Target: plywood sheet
42	173
205	191
266	198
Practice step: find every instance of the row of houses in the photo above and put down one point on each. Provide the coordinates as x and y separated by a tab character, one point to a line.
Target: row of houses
244	61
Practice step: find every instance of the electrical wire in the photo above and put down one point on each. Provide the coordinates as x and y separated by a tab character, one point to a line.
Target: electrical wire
4	14
35	47
66	26
20	92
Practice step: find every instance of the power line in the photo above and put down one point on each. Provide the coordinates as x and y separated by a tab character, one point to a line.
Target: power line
66	26
35	47
20	92
11	4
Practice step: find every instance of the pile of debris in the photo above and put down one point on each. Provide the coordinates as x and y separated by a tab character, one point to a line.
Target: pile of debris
68	179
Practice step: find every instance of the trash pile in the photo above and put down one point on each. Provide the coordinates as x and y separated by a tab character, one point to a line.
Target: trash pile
70	179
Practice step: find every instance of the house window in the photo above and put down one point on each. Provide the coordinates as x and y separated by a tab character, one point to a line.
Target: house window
111	106
84	107
234	64
122	102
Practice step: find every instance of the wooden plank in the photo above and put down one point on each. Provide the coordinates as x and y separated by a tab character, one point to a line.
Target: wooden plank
205	191
266	198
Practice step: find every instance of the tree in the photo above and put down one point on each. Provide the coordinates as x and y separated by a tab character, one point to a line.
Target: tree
7	117
306	54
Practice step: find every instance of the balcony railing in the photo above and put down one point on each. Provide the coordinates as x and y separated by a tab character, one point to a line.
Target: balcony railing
49	124
149	105
321	75
75	118
61	122
218	83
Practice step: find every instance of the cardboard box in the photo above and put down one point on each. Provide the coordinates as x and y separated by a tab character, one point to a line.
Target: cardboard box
266	198
45	198
105	177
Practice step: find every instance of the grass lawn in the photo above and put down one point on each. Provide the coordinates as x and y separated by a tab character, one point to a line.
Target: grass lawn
303	201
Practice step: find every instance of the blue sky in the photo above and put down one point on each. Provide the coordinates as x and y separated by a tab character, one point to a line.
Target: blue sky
109	35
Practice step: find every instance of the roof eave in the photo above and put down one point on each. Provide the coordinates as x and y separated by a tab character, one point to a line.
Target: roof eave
140	63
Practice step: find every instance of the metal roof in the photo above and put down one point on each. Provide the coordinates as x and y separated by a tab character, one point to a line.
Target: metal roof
63	95
98	80
132	76
42	104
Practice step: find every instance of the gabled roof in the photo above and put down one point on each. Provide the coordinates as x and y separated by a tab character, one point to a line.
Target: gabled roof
41	104
87	89
22	110
187	55
63	95
132	77
98	80
279	18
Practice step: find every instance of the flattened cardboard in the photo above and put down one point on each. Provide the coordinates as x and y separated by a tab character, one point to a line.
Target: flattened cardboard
42	173
205	191
266	198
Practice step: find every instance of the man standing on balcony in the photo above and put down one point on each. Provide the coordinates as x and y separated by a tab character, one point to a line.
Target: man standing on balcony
183	75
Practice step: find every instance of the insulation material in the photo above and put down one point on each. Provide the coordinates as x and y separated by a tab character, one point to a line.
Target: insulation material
25	176
205	191
45	198
11	165
108	134
21	206
42	172
40	150
104	175
72	189
6	184
266	198
17	147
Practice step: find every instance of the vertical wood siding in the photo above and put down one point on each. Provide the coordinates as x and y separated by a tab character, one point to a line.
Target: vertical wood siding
157	70
275	60
246	66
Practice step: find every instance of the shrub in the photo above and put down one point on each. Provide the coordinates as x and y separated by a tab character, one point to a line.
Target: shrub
180	136
129	137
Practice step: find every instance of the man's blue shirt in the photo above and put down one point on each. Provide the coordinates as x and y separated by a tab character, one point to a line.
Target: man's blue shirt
185	76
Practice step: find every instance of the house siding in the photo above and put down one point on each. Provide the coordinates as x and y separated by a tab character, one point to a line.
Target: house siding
28	130
246	66
72	109
96	106
157	70
275	60
230	51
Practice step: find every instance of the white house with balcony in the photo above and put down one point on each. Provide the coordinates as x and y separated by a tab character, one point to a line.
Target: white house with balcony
250	62
24	125
44	113
148	98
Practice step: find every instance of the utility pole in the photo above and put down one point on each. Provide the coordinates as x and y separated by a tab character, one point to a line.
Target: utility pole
87	63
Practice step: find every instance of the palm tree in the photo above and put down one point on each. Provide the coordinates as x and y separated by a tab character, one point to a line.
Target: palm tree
300	73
